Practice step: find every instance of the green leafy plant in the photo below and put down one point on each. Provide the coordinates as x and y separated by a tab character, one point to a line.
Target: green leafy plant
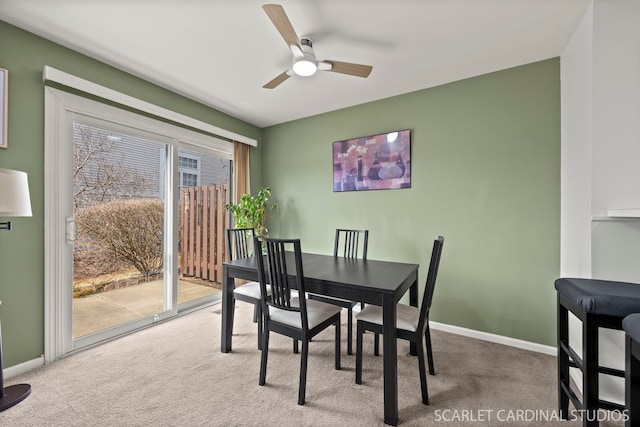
251	212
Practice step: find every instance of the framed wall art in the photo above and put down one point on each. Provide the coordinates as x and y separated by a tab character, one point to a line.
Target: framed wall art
375	162
4	106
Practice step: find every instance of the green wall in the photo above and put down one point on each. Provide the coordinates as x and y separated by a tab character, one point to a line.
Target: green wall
485	167
22	249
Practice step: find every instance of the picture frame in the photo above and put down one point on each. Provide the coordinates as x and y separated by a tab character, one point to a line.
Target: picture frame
4	106
375	162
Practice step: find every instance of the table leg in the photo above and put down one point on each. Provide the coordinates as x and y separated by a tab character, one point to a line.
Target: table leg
227	311
390	352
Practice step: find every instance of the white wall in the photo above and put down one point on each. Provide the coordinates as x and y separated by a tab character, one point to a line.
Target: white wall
575	191
616	138
601	143
616	105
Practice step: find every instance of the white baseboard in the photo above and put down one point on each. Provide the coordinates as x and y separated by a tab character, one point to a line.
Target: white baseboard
21	368
499	339
485	336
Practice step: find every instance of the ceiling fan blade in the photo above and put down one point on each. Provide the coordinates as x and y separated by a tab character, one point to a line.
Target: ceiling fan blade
275	82
357	70
276	13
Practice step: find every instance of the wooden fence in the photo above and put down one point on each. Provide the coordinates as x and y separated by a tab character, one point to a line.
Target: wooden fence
203	221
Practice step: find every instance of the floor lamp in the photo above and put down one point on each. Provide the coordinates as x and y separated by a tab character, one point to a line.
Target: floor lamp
14	201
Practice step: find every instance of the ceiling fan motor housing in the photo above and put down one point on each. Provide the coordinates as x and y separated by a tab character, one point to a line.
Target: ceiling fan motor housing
306	64
305	42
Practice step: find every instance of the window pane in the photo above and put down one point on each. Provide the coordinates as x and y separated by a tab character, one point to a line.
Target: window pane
203	219
189	180
188	163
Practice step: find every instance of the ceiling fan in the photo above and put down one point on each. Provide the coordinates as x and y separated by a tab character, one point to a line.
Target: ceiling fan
304	59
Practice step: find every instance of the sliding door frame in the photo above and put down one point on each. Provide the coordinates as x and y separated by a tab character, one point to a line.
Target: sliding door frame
61	109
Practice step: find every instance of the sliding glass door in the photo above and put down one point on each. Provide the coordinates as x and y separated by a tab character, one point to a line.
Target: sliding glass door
140	219
119	213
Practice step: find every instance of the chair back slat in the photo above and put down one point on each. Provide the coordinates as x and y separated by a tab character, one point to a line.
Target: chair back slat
278	275
430	286
353	242
281	267
239	243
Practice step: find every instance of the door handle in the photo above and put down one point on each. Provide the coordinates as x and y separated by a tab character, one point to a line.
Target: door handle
70	230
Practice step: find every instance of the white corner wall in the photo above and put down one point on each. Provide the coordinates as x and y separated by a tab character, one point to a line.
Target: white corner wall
615	175
575	175
616	105
600	74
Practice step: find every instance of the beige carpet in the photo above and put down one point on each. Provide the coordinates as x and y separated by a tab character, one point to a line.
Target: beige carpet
175	375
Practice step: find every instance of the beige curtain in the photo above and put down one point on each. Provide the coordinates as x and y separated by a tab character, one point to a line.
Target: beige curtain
241	178
241	174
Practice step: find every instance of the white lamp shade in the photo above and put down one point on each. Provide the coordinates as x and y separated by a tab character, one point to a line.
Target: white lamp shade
14	193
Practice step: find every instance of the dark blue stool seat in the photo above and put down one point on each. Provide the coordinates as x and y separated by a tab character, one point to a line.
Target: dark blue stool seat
598	304
631	325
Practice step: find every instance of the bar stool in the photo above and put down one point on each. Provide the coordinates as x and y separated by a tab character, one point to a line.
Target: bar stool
598	304
631	325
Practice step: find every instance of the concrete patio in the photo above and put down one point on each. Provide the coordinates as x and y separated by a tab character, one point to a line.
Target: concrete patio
103	310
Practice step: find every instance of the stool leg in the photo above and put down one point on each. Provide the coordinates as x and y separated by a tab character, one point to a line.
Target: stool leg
632	384
590	383
563	360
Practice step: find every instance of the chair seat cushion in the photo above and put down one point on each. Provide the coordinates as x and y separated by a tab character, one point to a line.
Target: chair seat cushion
251	290
631	325
407	316
317	312
601	296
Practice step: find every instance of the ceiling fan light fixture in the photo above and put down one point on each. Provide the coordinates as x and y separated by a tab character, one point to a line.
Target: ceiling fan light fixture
304	67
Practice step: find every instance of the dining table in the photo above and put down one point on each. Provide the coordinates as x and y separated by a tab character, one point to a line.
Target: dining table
381	283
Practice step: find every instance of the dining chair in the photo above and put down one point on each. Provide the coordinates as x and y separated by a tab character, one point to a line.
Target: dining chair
354	243
240	245
412	323
293	316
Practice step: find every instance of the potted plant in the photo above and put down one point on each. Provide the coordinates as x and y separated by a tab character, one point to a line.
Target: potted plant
251	212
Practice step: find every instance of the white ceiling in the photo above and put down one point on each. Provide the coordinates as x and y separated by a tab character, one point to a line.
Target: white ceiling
221	52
